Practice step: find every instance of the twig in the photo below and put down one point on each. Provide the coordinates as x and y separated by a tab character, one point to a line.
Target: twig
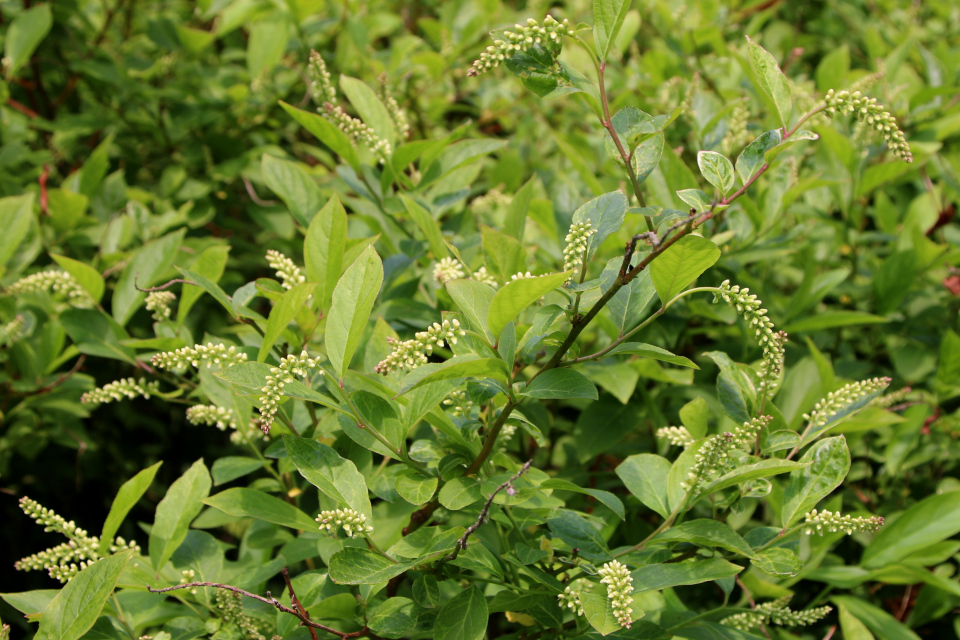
269	599
296	601
161	287
830	633
22	108
59	381
253	194
485	512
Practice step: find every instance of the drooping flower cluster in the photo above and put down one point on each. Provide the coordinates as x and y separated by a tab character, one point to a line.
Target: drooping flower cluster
619	590
5	632
118	390
746	434
842	397
748	306
410	354
65	560
578	237
871	113
483	276
159	303
11	332
210	354
289	273
773	355
461	404
289	367
777	612
570	599
446	270
713	459
891	399
321	85
396	112
677	436
357	131
816	522
520	40
737	135
352	522
230	605
211	415
57	281
522	275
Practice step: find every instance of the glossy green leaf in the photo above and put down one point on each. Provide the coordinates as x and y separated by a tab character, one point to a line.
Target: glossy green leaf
209	265
88	277
771	80
460	493
883	625
473	299
504	254
176	511
230	468
645	476
17	214
745	473
654	577
652	352
211	287
251	503
352	303
829	463
129	494
682	264
150	264
708	533
518	295
718	170
608	18
833	320
516	219
463	618
416	489
605	497
847	410
696	199
479	368
577	531
294	185
326	132
336	477
24	34
931	520
394	618
599	613
281	314
779	561
75	609
428	225
323	249
354	565
561	383
372	111
606	214
751	159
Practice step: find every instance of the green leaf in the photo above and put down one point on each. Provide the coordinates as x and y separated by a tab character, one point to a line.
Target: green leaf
323	249
129	494
780	562
251	375
560	383
95	333
428	225
695	415
394	618
336	477
326	132
850	625
455	156
473	299
145	270
762	469
829	463
463	618
426	590
881	623
515	222
628	304
209	265
74	610
752	157
682	264
599	613
604	497
176	511
251	503
281	314
518	295
24	35
294	186
66	209
372	111
17	214
479	368
771	80
353	301
928	522
95	168
697	199
832	320
652	352
799	136
576	531
267	42
606	214
645	476
459	493
353	565
708	533
416	489
608	17
230	468
88	277
654	577
718	170
504	254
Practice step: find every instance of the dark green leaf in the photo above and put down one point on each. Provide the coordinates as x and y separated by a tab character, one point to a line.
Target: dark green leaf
560	383
129	494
